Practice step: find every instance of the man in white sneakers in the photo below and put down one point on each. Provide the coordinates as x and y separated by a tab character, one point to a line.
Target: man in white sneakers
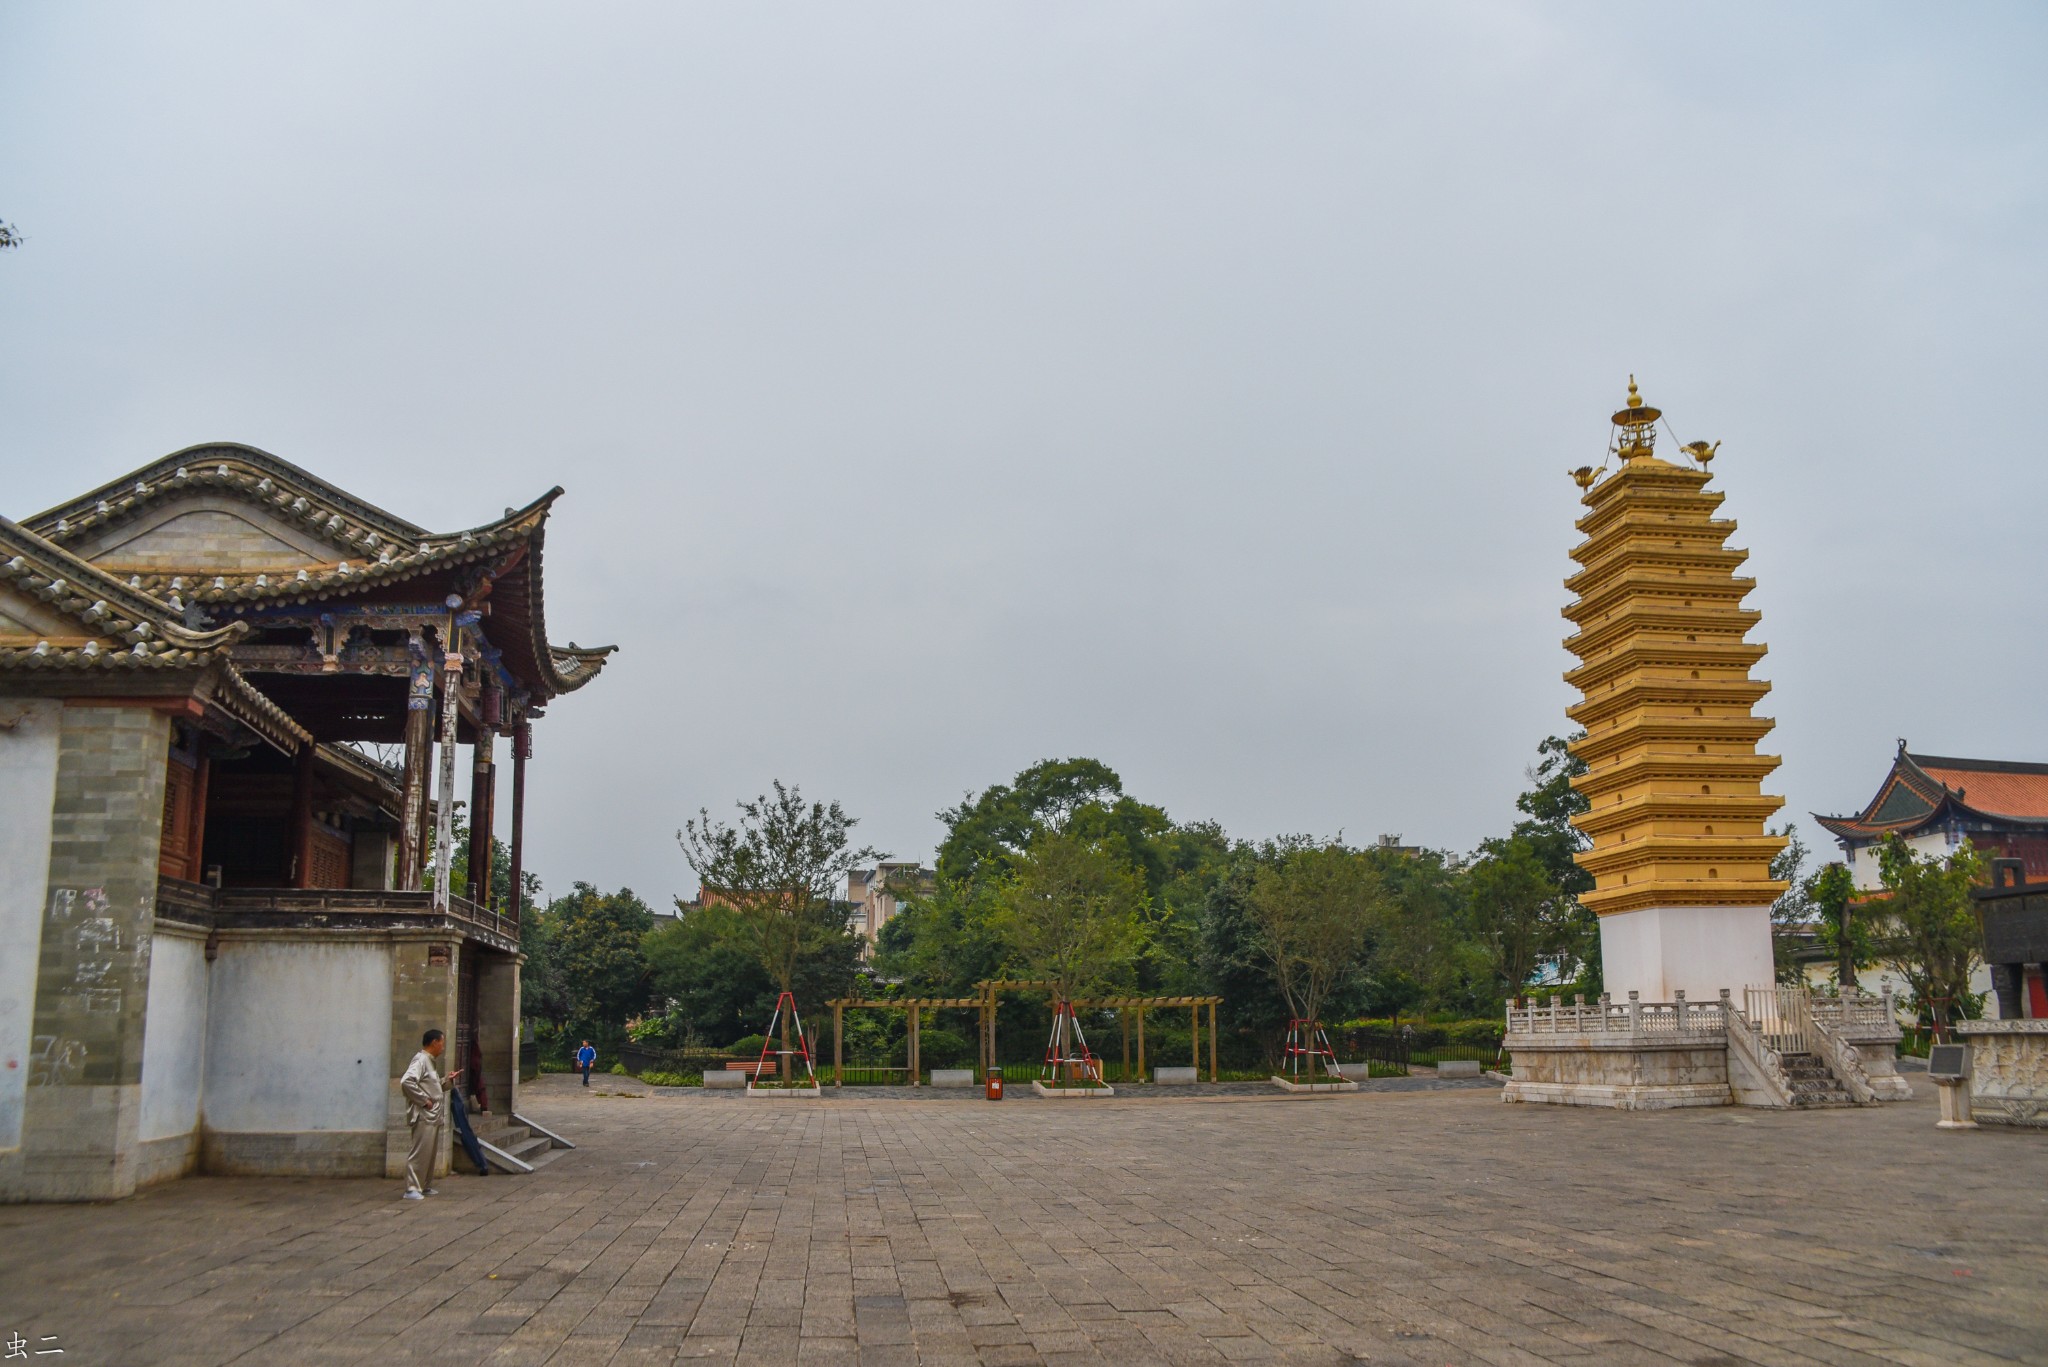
424	1112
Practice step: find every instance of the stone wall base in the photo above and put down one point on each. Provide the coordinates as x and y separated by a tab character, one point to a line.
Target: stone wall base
330	1153
1627	1072
1620	1098
160	1160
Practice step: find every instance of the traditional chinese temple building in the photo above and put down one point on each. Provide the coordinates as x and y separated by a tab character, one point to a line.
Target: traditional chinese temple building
237	708
1935	803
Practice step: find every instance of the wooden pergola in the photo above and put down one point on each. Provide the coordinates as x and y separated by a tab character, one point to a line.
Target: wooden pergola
986	1002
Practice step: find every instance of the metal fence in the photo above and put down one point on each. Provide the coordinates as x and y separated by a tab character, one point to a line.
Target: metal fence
1782	1015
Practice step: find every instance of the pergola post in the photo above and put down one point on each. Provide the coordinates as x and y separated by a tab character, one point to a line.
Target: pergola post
838	1052
1212	1040
1141	1044
1195	1037
1123	1018
916	1013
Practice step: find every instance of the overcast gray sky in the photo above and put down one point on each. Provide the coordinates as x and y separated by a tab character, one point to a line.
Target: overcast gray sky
943	387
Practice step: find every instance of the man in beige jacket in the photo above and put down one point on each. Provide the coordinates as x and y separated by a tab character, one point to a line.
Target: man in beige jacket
424	1111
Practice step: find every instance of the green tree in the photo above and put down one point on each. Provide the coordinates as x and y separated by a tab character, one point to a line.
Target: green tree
1548	807
988	836
1515	912
778	868
1316	907
1831	892
594	944
703	973
1792	914
1071	913
1234	966
1423	954
10	237
1927	929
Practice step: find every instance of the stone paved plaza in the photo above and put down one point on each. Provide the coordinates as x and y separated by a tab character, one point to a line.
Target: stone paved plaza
1398	1225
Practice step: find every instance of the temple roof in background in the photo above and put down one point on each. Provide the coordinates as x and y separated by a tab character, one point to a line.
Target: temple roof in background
1924	792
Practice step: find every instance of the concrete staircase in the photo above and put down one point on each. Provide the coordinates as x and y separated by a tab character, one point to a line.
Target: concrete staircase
514	1139
1813	1084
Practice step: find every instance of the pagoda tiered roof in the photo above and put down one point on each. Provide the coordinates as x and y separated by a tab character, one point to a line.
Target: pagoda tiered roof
1674	779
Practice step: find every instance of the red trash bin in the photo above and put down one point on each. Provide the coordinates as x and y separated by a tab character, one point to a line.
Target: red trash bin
995	1084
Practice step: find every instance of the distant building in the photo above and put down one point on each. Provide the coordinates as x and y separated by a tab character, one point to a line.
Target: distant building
875	892
1934	803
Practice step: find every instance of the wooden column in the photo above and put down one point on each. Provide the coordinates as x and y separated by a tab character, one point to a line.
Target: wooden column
1141	1043
302	818
482	820
1212	1042
915	1013
195	846
419	744
838	1035
1123	1018
522	747
1195	1037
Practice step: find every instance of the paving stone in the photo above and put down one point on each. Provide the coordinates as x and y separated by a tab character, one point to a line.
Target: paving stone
1419	1225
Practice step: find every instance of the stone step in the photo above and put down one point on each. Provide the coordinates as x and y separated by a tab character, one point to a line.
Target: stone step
1813	1084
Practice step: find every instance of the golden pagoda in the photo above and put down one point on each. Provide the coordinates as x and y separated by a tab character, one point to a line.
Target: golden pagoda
1680	855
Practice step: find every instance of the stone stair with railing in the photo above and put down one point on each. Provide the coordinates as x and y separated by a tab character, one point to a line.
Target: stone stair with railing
1813	1084
510	1137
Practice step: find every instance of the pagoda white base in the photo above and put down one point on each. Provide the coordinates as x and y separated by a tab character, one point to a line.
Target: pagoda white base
1659	952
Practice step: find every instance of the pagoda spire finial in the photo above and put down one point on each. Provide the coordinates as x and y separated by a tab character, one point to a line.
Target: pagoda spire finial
1636	436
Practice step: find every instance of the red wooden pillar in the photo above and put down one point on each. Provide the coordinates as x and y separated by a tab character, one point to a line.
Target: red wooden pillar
195	846
522	749
482	781
302	818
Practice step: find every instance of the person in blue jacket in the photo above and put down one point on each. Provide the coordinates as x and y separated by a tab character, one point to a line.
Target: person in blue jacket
586	1056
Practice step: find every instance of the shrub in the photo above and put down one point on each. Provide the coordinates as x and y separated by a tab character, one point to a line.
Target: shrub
942	1048
657	1079
618	1070
749	1047
549	1065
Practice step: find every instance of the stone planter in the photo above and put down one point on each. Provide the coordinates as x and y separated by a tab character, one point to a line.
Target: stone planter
724	1082
1333	1085
812	1090
1175	1076
952	1077
1071	1093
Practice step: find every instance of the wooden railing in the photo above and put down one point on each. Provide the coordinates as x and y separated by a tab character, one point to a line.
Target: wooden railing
175	895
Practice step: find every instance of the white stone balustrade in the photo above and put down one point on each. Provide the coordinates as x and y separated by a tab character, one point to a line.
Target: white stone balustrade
1609	1017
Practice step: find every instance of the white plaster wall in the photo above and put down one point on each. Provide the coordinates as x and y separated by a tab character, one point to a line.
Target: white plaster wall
298	1037
174	1037
1660	951
28	788
1863	869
